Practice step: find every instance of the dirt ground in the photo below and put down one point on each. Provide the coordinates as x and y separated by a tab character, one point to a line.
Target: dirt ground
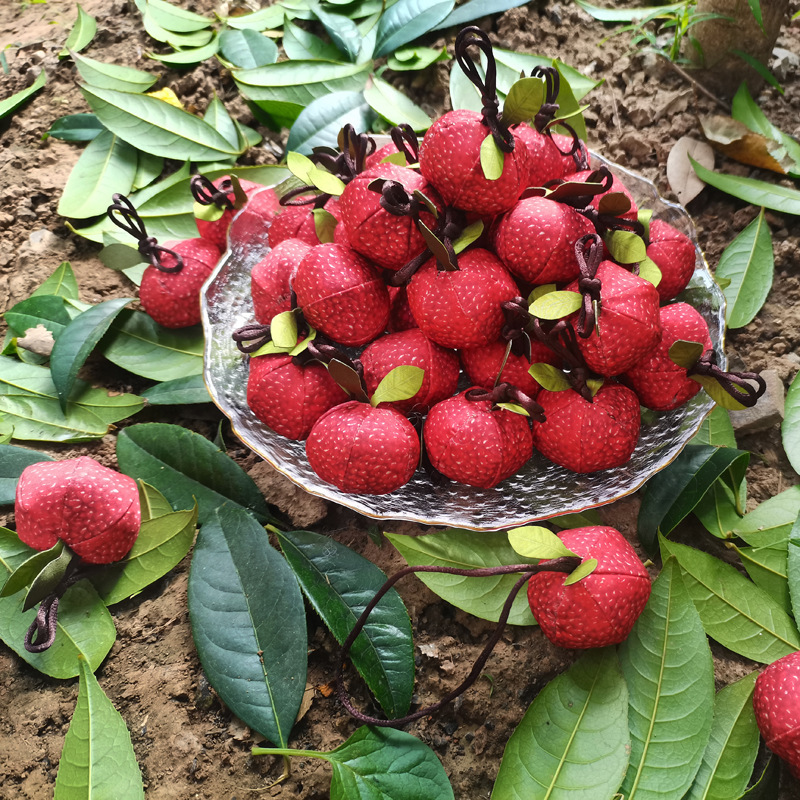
187	743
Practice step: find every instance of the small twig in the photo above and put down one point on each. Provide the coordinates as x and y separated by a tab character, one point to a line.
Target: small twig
697	85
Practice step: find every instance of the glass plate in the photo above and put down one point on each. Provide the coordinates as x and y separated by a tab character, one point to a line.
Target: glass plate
540	490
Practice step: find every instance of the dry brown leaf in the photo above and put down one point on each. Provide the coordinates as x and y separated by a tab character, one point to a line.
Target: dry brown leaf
37	340
682	178
738	142
305	703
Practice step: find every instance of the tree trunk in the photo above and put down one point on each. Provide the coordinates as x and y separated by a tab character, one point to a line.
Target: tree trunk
721	70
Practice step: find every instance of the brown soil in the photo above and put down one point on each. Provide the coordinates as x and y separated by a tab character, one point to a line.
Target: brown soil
187	743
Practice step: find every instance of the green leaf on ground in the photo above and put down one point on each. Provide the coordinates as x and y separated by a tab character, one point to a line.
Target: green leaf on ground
749	265
248	622
732	748
81	34
137	343
476	9
716	430
247	49
11	104
97	759
380	764
300	44
320	122
112	76
13	461
183	466
771	522
670	675
29	403
77	340
181	391
76	128
790	427
407	20
481	597
394	106
768	568
675	491
624	14
573	740
174	18
162	542
52	311
793	569
734	611
339	583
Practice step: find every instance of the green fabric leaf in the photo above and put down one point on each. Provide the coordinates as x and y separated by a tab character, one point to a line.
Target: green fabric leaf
573	742
670	675
339	583
248	622
98	759
533	541
481	597
183	466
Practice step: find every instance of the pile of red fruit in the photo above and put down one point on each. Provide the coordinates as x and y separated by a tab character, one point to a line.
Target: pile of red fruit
490	249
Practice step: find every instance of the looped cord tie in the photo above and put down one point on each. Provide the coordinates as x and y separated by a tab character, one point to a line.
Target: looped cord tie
589	252
734	383
205	193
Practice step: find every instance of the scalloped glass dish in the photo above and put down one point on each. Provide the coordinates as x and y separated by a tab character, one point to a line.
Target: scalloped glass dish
540	490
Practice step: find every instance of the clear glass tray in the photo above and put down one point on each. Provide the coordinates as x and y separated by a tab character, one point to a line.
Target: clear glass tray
540	490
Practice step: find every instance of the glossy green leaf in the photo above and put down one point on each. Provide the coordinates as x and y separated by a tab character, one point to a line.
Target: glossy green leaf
247	49
174	18
481	597
46	581
400	383
48	310
61	282
394	106
415	58
533	541
11	104
248	622
220	120
77	340
120	257
407	20
342	31
148	169
768	568
185	466
673	493
300	44
463	93
140	345
625	14
98	759
731	752
793	569
670	675
162	542
719	508
191	55
734	611
112	76
268	18
759	193
81	34
716	430
339	583
13	461
380	764
293	85
771	521
155	126
29	570
573	742
766	787
790	427
76	128
29	402
476	9
84	624
319	124
573	86
556	305
153	503
749	265
181	391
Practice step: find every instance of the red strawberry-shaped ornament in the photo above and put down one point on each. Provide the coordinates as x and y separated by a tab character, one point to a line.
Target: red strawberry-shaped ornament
341	294
400	316
674	254
450	153
483	364
290	396
381	225
270	280
628	325
463	307
536	240
574	153
616	187
297	222
94	510
222	195
361	447
472	442
412	348
404	140
776	702
658	381
588	435
600	609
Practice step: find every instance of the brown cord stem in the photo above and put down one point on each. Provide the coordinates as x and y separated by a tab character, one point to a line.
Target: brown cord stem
567	565
734	383
507	393
552	81
589	252
42	631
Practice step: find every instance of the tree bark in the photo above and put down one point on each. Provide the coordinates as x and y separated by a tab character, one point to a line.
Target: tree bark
722	70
